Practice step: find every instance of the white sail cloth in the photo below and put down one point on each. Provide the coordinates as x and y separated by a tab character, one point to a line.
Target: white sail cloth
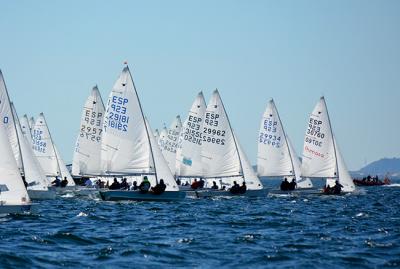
321	156
86	159
168	142
188	154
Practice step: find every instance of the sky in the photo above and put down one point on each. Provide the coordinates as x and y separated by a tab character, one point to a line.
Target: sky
53	52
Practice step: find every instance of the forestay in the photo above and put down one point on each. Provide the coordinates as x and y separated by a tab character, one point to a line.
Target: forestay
86	159
169	142
188	154
125	143
219	151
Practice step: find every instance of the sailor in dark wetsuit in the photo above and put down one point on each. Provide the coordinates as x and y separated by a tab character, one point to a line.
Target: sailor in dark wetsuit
243	188
159	188
337	189
124	184
64	182
235	189
214	186
115	185
292	185
285	185
56	182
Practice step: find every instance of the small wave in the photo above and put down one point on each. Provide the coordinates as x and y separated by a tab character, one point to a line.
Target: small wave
68	195
82	214
392	185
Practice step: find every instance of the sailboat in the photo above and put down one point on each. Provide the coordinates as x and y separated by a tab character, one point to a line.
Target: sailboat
223	160
37	183
276	156
321	155
86	159
168	142
47	153
26	161
129	148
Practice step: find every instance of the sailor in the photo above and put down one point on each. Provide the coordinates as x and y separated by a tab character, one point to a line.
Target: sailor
285	185
124	185
56	182
115	185
337	188
159	188
201	183
64	182
178	181
243	188
235	189
292	185
214	186
88	182
195	184
135	186
327	189
144	185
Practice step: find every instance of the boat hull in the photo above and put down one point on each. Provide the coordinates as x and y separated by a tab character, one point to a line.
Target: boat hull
15	209
208	193
118	195
42	195
369	183
305	191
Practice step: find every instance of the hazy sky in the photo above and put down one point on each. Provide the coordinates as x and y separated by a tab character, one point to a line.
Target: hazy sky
53	52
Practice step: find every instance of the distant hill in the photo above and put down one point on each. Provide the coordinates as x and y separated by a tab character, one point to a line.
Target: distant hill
381	167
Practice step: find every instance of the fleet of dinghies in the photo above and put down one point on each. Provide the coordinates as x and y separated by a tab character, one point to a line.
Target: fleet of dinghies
201	157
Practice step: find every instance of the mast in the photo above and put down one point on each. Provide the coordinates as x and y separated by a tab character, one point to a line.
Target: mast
333	139
284	134
145	124
54	148
233	135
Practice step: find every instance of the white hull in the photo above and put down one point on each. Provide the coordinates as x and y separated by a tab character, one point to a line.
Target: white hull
208	193
42	195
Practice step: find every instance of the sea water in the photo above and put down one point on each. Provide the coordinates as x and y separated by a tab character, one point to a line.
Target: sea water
301	231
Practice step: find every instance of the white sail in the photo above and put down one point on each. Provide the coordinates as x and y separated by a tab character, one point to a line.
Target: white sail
26	130
162	168
44	148
344	176
86	159
252	180
162	136
125	143
319	157
302	183
12	188
273	158
8	121
188	155
169	143
219	151
34	175
64	173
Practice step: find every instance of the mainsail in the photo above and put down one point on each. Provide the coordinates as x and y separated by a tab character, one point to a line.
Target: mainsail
219	149
188	155
86	160
8	121
125	143
321	156
128	145
276	156
169	142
